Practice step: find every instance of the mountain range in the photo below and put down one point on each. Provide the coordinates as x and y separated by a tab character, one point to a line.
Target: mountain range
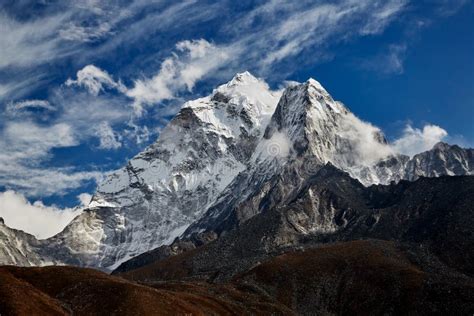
215	160
247	184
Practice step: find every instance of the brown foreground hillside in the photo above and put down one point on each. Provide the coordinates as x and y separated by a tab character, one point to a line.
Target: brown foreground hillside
78	291
359	277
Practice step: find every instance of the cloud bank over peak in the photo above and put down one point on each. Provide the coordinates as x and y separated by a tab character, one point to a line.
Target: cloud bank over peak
34	218
365	138
368	147
415	140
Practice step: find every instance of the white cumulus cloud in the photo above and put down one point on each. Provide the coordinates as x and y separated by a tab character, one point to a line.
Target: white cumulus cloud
85	199
191	61
34	218
107	137
415	140
366	141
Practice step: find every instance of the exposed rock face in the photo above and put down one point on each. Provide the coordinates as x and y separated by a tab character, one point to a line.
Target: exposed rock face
222	160
333	207
18	247
309	255
319	130
165	188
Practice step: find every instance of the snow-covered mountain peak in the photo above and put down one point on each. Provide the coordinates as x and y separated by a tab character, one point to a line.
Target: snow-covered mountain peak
313	83
244	95
249	93
242	78
308	115
318	95
168	185
324	130
242	106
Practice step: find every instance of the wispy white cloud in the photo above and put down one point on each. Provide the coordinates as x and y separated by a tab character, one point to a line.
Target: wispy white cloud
173	17
31	42
449	7
285	29
383	13
34	181
86	34
388	62
29	141
34	218
192	61
25	146
395	59
141	134
14	87
81	110
64	33
13	107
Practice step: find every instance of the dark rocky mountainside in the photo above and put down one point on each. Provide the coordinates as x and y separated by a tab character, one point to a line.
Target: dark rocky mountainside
336	248
362	278
255	201
436	213
341	248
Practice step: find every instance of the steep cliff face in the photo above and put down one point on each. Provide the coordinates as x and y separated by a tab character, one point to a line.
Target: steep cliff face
431	215
222	160
18	247
162	190
308	130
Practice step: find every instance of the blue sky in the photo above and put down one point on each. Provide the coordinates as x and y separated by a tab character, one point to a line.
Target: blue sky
85	85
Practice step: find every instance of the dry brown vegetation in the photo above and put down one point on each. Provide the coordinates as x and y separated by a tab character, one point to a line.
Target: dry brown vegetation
357	278
79	291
